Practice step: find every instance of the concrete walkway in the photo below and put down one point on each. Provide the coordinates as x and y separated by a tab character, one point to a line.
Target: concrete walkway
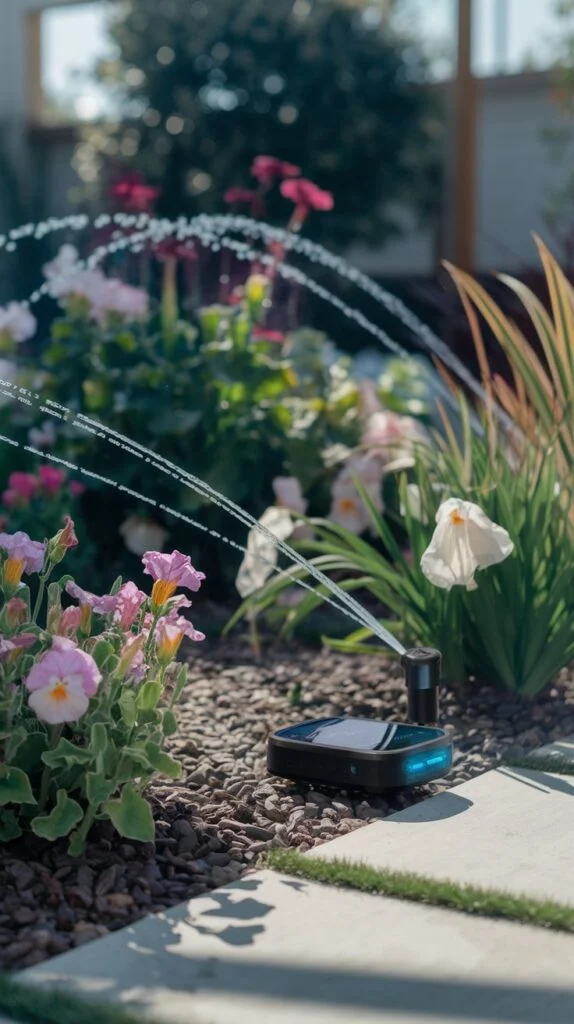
270	948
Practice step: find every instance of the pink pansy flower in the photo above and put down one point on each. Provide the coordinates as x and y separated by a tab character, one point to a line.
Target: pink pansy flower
20	548
129	600
17	322
77	489
15	643
61	684
169	572
267	168
102	605
24	484
307	196
133	192
51	479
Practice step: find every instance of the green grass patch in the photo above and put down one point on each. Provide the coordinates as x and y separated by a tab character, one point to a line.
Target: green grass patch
557	765
31	1005
468	899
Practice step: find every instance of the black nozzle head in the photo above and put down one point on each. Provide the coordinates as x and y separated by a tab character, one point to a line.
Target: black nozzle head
422	670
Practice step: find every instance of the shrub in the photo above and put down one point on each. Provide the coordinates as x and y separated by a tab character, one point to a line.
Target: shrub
87	692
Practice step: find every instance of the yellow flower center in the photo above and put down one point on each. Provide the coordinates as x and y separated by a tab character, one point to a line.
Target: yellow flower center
168	647
162	591
59	692
13	569
347	504
456	518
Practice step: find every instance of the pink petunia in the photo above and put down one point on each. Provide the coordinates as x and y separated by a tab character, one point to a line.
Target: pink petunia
20	548
101	605
169	572
267	168
16	612
15	643
51	479
23	484
70	621
129	600
307	196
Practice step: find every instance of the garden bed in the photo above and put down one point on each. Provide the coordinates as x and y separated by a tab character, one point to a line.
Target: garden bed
225	812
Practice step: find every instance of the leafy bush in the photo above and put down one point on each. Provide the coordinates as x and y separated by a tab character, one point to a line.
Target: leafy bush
516	628
87	692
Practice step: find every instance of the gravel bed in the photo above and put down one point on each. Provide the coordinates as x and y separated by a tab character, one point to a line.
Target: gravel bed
214	823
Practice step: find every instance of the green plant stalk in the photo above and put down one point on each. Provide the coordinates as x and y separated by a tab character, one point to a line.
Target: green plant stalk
468	899
47	773
44	577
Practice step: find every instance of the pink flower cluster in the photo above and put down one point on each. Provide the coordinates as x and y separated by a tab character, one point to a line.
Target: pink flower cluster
48	483
105	296
146	633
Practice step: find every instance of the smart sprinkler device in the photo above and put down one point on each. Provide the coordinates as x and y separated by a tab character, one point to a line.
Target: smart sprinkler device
361	753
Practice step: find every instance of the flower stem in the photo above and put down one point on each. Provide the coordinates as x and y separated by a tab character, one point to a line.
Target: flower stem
41	591
47	773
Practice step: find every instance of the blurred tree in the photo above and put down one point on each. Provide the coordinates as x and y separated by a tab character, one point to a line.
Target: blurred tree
559	135
207	85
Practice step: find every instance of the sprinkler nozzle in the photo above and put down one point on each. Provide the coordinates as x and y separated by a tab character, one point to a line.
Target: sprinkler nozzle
422	670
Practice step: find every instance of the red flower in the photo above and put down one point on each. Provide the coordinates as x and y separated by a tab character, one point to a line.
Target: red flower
306	195
133	193
77	488
175	249
260	334
239	195
267	168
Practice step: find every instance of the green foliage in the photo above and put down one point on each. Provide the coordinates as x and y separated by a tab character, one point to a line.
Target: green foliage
319	84
235	409
32	1004
517	628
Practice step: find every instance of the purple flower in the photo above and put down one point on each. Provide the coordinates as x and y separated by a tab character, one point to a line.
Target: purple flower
20	548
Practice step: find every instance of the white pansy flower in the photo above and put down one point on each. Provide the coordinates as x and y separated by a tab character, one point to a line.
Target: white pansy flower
347	508
464	540
261	554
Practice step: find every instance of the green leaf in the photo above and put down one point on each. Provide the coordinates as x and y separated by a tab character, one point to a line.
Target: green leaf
29	754
131	815
149	695
15	786
169	723
101	652
98	739
128	707
63	818
180	684
162	762
9	827
66	755
98	789
116	585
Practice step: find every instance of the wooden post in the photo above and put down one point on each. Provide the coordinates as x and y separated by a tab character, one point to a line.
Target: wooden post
465	144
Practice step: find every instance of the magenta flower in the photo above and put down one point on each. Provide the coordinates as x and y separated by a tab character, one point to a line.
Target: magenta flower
307	196
101	605
51	479
23	484
267	168
77	489
11	499
133	193
20	549
129	600
169	572
61	684
261	334
239	195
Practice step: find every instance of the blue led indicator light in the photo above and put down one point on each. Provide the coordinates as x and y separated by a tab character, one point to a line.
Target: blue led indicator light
416	765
